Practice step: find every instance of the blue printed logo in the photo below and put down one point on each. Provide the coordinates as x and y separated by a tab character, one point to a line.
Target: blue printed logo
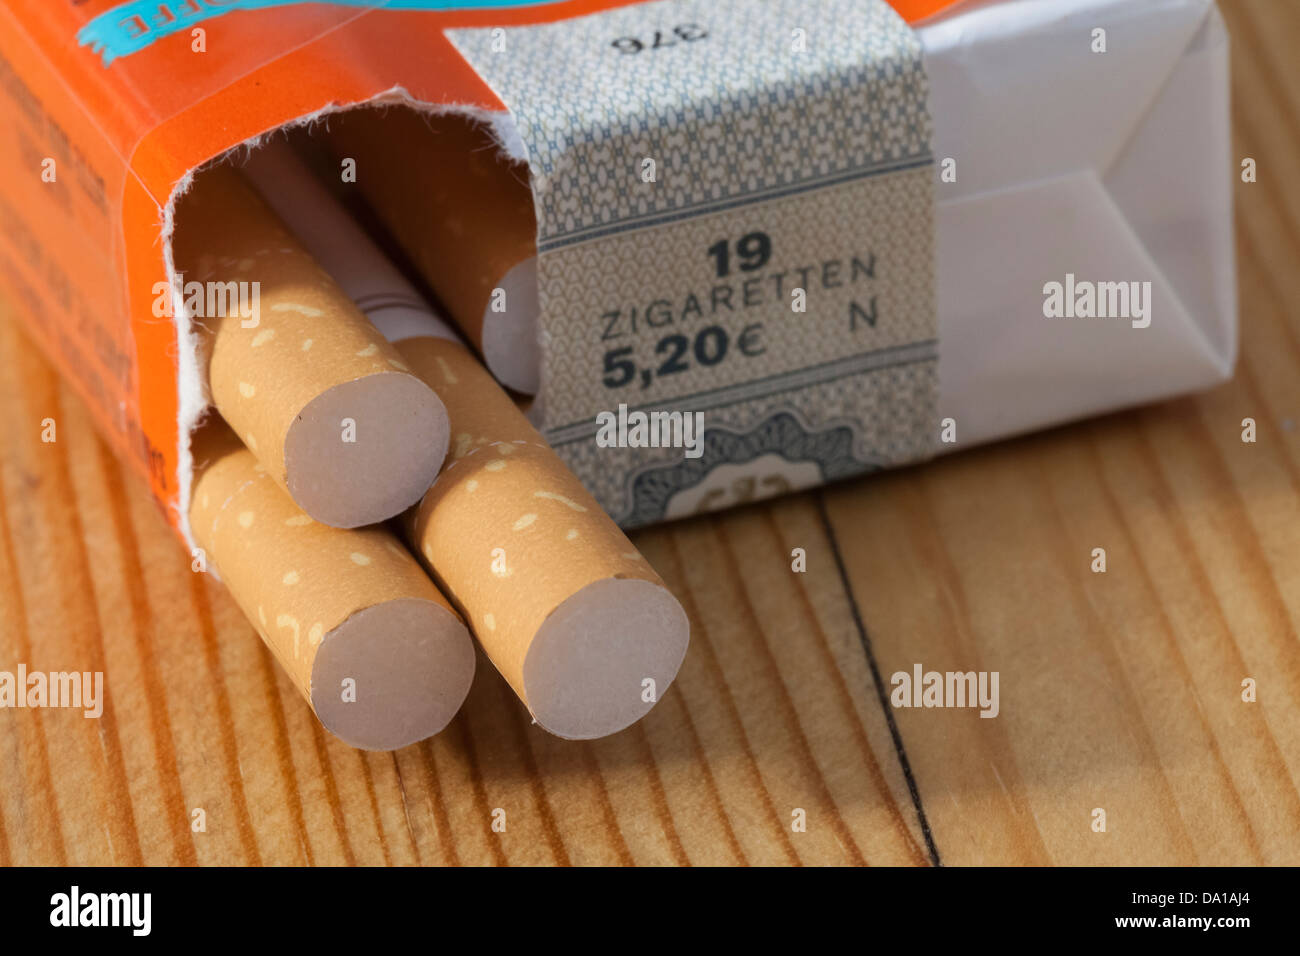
130	27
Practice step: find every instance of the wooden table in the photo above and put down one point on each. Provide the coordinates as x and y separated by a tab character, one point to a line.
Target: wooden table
1120	691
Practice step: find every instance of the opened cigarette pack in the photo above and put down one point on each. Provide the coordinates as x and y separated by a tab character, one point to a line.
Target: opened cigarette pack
734	248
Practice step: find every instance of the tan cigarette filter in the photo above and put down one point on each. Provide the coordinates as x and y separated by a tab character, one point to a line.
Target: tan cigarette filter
363	633
463	213
564	605
318	395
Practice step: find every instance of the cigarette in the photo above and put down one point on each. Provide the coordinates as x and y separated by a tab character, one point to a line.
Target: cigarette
318	395
564	605
379	654
464	214
567	609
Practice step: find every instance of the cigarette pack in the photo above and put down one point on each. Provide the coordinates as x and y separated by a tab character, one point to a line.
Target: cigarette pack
776	243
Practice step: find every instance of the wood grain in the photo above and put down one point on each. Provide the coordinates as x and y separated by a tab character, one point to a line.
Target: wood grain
1119	690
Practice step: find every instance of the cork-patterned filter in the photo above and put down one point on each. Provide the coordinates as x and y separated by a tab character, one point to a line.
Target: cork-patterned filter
318	395
464	214
565	606
333	605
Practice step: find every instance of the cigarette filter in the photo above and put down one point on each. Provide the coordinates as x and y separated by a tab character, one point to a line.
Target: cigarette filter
464	213
567	609
377	651
317	394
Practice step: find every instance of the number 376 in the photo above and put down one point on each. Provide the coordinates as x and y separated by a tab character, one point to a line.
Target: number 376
686	32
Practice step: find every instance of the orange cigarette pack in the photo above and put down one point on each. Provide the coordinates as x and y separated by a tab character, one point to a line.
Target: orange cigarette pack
108	107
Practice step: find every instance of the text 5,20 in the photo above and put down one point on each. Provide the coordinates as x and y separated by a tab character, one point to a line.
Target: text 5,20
677	353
